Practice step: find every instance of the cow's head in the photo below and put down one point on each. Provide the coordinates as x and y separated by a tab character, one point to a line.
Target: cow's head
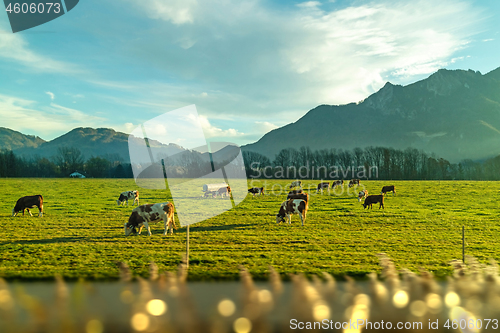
118	202
14	212
129	229
280	218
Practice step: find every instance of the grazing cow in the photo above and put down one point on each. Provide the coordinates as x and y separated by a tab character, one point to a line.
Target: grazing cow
295	184
294	192
301	196
353	182
224	191
371	199
337	183
128	195
386	189
27	203
362	194
256	190
151	213
208	194
290	207
321	186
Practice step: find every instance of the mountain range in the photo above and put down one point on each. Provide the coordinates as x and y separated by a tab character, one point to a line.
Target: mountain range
102	142
452	113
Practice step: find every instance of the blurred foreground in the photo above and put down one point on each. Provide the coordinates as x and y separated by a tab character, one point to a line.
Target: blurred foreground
398	301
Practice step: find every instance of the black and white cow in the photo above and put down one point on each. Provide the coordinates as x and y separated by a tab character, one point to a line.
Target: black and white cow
290	207
209	194
296	183
128	195
337	183
224	191
362	194
353	182
151	213
27	203
322	186
256	190
302	196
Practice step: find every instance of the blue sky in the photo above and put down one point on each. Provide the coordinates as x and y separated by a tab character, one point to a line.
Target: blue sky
248	66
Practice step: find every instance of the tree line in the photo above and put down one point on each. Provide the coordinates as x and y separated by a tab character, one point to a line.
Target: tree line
303	163
66	161
369	163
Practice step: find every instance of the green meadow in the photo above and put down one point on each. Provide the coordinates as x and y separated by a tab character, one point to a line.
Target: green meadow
81	233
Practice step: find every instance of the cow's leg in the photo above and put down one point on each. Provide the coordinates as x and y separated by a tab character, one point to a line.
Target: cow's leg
167	224
40	211
29	211
140	229
302	217
146	224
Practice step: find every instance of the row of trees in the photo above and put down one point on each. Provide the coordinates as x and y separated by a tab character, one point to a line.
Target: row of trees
368	163
65	162
371	162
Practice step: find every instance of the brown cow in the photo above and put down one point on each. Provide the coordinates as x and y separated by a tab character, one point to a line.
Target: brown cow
27	203
321	186
290	207
256	190
371	199
390	188
143	215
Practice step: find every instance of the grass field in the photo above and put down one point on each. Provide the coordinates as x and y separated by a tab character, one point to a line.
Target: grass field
81	232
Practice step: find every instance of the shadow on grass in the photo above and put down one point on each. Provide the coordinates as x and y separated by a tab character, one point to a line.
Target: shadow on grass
49	240
213	228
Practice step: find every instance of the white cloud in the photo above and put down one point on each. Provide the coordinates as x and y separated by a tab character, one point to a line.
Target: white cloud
306	55
14	48
176	11
265	126
215	132
309	4
47	121
52	96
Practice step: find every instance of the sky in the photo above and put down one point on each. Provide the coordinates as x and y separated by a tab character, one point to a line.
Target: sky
248	66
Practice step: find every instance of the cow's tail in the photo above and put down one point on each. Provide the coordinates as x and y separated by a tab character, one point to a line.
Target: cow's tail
41	205
171	214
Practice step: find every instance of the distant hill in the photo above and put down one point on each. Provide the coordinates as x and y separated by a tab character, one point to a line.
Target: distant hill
103	142
453	113
12	140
